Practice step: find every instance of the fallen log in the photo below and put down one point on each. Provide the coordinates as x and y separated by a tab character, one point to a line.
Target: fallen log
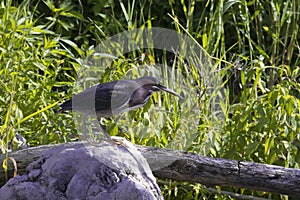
190	167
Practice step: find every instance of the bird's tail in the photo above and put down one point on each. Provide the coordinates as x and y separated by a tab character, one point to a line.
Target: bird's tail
67	105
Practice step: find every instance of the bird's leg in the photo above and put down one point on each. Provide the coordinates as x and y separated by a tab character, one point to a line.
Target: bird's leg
85	132
103	128
94	138
109	139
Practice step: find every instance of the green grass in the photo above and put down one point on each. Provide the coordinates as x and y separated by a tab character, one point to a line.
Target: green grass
254	49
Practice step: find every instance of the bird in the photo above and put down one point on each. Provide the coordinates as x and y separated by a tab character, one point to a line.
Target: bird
113	98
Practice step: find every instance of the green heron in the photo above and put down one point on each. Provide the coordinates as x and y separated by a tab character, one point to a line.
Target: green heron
112	98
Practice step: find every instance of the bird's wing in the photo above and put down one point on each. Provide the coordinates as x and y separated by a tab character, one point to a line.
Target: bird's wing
107	99
115	96
85	101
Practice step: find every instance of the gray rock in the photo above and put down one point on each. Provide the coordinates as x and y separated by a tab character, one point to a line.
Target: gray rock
107	171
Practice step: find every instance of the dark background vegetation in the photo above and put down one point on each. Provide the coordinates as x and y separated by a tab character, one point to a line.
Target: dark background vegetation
43	43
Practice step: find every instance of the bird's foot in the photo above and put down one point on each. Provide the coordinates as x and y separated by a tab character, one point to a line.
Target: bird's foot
117	141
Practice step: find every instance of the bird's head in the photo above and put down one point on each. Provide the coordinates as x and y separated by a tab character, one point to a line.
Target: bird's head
155	85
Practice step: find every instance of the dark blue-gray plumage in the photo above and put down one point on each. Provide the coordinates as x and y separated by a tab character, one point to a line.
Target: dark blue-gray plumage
112	98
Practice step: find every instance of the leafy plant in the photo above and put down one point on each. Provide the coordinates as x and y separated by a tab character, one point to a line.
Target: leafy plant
34	65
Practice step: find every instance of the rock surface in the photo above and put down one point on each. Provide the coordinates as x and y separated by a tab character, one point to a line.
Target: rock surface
107	171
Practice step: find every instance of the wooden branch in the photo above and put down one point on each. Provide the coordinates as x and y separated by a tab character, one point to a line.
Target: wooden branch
190	167
208	171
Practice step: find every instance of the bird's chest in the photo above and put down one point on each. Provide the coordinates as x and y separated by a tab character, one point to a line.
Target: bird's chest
139	97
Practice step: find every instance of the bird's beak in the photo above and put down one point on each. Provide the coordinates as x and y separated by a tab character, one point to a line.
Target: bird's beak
164	88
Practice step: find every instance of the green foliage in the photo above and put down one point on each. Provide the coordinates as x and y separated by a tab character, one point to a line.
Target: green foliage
256	49
265	124
34	65
249	29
